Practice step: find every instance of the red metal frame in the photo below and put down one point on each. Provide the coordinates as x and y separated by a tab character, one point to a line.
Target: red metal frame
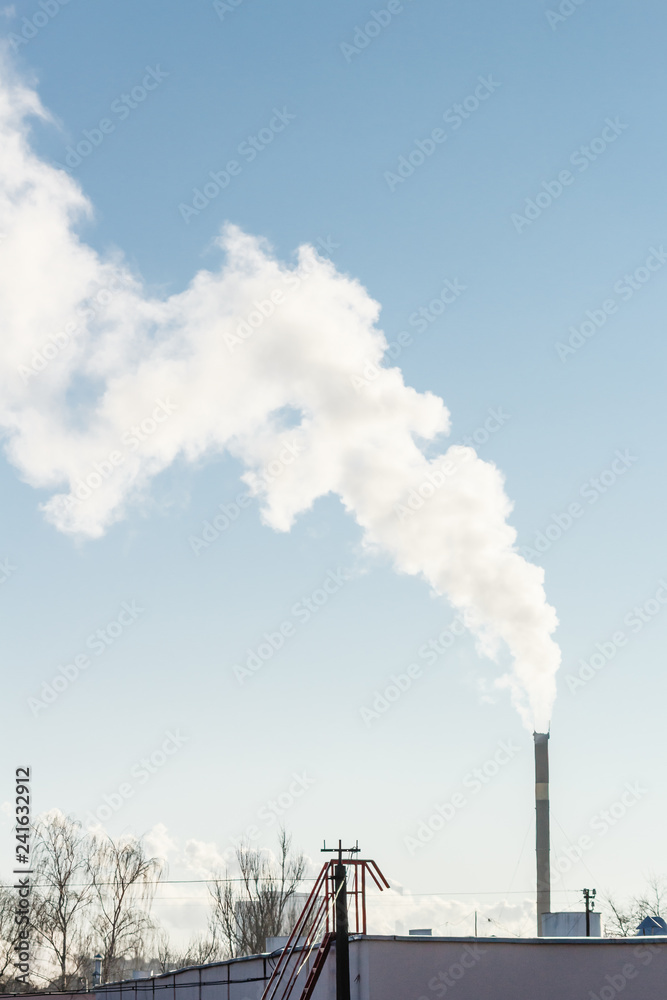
317	923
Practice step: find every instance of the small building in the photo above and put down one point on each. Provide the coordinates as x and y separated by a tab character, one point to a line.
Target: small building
652	926
570	924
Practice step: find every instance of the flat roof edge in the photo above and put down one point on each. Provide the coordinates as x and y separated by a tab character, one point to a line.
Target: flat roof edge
641	939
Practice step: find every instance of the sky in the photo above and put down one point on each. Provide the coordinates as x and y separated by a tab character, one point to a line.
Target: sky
489	175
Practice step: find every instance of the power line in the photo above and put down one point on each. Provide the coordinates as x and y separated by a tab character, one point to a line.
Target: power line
274	881
160	881
478	892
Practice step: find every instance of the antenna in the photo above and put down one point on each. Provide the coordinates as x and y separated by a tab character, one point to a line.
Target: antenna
341	850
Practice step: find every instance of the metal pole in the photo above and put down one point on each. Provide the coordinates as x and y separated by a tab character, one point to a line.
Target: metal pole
342	928
589	894
363	897
342	936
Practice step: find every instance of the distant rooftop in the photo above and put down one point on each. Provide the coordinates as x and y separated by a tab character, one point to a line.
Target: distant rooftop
652	925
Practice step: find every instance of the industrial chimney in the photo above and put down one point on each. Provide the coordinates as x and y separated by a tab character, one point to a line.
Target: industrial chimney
542	827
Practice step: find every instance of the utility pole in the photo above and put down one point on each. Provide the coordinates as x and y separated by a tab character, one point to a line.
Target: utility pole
342	932
589	896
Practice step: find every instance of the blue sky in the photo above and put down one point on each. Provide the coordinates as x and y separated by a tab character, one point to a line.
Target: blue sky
220	77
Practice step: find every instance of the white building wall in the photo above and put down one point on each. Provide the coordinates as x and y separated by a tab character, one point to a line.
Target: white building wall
570	924
403	968
502	969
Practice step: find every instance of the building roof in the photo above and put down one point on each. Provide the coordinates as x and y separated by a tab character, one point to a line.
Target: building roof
652	925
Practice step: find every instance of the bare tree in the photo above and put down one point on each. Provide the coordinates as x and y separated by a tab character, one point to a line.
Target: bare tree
623	920
7	925
62	894
8	941
202	949
124	880
165	956
652	902
260	903
620	921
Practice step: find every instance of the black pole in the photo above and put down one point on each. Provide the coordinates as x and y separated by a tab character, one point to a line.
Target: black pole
342	935
342	927
589	894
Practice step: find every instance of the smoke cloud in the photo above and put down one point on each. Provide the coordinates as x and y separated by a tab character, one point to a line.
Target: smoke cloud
104	386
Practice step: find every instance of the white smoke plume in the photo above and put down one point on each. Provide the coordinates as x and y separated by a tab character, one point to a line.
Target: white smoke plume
248	358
